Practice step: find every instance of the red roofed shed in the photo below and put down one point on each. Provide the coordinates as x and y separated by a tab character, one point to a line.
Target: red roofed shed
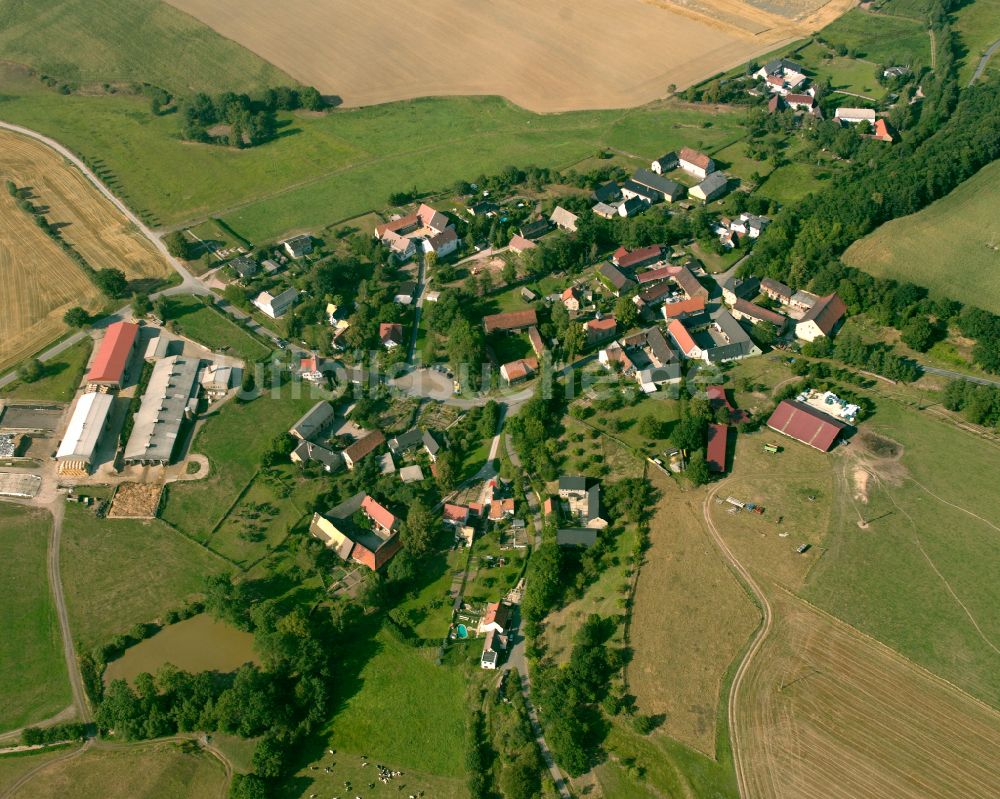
111	361
718	438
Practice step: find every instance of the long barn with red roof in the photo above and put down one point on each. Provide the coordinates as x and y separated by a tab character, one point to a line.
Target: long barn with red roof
808	425
110	365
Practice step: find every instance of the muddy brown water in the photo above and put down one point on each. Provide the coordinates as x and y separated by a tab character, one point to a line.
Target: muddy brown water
197	644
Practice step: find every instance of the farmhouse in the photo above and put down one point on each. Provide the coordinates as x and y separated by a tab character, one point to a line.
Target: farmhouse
781	76
597	330
646	356
371	544
534	230
244	266
109	369
443	244
801	102
498	618
633	192
650	277
803	300
805	424
170	398
663	188
297	246
583	500
276	306
715	185
776	291
390	334
314	422
308	452
664	163
823	319
362	447
571	298
731	341
743	309
521	369
688	283
425	228
562	218
854	116
678	308
685	343
519	243
511	322
414	438
739	288
635	259
715	452
696	164
79	445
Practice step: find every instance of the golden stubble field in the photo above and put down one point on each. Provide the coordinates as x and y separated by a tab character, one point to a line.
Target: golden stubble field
826	711
38	281
556	55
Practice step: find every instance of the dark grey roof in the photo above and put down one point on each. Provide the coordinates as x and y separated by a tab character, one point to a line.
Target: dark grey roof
663	374
532	230
584	537
744	288
244	266
408	440
642	190
657	343
669	158
606	192
615	276
665	186
633	205
572	483
740	343
773	67
308	451
776	286
594	502
430	443
407	287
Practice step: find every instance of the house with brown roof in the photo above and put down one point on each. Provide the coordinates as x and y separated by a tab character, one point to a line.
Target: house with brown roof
510	322
688	283
455	515
635	259
498	618
695	163
776	290
390	334
571	298
715	450
359	530
823	319
361	448
677	308
521	369
743	309
597	330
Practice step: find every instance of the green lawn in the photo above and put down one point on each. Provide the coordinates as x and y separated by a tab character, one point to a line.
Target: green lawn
62	376
97	41
32	668
121	572
402	709
234	439
791	182
899	579
952	246
214	329
881	39
428	612
324	169
978	26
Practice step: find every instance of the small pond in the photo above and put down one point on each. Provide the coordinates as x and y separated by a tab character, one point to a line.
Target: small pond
197	644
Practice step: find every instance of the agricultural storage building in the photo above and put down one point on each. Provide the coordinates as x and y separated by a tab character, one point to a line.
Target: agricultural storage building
718	439
808	425
110	366
372	544
318	418
170	398
90	419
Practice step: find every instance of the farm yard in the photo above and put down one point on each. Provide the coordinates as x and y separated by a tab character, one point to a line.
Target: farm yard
37	291
899	731
31	660
689	620
502	38
952	246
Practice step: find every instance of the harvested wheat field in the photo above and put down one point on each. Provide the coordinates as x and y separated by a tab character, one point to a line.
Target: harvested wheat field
557	55
690	619
825	711
38	281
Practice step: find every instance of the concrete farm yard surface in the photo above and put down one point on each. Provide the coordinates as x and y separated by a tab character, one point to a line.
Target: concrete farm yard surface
38	281
552	56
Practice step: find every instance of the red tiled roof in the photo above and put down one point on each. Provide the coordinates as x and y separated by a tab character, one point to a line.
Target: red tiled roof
548	506
519	369
803	99
651	275
694	157
718	435
805	424
310	364
476	508
569	294
113	354
510	321
497	613
601	325
681	336
637	257
884	131
378	514
455	513
364	446
826	313
692	305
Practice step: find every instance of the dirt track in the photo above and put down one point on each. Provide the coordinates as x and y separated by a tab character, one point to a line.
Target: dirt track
552	56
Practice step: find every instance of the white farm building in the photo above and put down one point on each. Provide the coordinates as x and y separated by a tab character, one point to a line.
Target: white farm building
90	419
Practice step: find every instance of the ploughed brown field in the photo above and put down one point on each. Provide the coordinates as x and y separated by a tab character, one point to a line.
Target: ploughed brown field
556	55
38	281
